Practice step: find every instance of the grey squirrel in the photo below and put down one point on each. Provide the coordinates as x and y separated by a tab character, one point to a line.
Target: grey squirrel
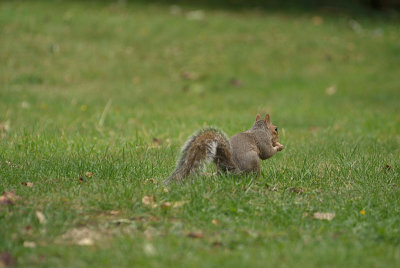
239	154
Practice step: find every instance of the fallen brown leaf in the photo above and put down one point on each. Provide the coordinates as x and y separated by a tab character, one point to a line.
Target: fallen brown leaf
149	201
157	142
7	260
89	174
190	75
85	242
176	204
9	198
166	205
324	216
330	90
114	212
196	234
27	184
387	167
41	217
29	244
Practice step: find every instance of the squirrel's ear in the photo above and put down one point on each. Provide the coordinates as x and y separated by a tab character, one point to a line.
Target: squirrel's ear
267	119
258	117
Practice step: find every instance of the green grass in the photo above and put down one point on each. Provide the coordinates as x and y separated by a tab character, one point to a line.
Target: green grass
86	87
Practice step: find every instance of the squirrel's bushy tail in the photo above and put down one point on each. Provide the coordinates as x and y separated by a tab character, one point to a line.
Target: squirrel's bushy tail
204	146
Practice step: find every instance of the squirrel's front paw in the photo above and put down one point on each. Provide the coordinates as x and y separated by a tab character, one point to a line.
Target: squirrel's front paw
280	146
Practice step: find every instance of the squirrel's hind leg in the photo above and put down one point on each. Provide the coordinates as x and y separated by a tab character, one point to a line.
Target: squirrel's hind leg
224	161
250	163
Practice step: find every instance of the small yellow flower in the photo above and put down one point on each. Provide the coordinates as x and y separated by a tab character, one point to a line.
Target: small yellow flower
362	212
83	108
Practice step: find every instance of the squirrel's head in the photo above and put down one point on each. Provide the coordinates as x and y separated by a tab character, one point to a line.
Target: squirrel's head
268	126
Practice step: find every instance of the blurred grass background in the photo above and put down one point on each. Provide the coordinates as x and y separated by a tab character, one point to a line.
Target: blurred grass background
115	87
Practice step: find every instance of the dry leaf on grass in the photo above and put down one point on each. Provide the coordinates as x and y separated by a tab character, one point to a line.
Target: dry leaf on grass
9	198
387	167
29	244
149	201
190	75
41	217
176	204
196	234
85	242
27	184
324	216
89	174
330	90
166	205
157	142
114	212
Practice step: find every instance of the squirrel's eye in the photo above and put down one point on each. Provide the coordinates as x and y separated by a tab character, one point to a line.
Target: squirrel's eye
276	129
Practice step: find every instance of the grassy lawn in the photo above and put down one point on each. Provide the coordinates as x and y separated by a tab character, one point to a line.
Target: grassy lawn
96	99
